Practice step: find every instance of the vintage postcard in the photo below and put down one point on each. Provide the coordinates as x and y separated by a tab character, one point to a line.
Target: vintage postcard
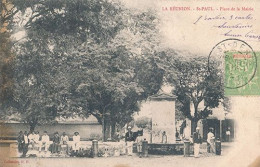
129	83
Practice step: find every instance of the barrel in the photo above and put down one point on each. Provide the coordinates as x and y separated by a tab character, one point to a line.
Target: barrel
186	148
218	147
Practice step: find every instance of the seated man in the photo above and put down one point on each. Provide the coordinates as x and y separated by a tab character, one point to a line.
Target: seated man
37	140
76	144
56	143
45	142
32	140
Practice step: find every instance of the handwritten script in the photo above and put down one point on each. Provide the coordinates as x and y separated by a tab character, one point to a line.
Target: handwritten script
233	26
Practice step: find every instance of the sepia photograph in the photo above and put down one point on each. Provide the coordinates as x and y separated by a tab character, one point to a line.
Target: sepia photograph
129	83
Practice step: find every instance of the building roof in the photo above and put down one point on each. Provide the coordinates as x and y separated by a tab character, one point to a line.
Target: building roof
72	120
163	96
78	120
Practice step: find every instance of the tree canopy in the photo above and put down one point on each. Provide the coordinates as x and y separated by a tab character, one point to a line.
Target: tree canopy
197	88
81	57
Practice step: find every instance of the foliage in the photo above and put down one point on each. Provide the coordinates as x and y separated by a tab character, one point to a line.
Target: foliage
195	84
75	57
6	55
144	122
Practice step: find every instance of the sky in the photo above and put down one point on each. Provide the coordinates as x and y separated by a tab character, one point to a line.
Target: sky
178	30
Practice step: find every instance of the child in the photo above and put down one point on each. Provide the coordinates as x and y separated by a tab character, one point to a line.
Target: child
211	142
64	138
64	143
139	141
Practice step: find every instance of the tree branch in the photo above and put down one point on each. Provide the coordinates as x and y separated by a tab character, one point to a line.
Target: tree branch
33	17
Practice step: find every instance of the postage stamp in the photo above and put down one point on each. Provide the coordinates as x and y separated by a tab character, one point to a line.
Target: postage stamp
238	62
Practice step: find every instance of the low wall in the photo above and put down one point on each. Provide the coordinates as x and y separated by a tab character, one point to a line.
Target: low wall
166	149
109	149
105	149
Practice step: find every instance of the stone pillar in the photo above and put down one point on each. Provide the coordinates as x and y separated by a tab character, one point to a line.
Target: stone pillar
145	148
94	148
162	107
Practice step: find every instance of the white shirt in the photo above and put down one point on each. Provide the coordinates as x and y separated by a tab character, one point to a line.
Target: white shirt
25	139
228	132
45	138
64	138
76	138
31	137
36	137
210	136
139	139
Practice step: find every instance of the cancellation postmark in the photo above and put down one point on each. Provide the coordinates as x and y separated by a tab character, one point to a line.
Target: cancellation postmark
238	63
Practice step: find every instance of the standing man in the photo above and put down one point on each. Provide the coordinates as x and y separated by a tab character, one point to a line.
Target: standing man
129	141
228	134
197	141
20	142
164	137
25	143
139	142
76	144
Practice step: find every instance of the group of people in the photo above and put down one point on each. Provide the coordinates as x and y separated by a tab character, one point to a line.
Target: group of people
130	139
58	144
197	140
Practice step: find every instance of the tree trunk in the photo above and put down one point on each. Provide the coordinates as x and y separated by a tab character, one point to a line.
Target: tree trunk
194	123
113	130
108	130
103	130
195	119
32	126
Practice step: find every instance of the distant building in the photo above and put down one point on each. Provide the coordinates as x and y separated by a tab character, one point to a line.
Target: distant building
88	128
220	121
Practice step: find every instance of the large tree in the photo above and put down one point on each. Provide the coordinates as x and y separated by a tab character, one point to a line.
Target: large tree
6	54
197	88
46	60
126	75
75	57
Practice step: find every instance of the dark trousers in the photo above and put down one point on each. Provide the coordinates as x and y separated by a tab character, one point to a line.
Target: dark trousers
55	148
20	147
228	138
25	149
